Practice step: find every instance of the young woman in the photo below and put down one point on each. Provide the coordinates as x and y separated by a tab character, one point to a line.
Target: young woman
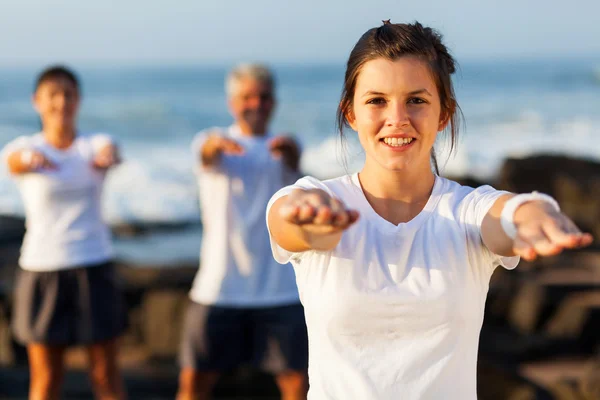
66	291
393	263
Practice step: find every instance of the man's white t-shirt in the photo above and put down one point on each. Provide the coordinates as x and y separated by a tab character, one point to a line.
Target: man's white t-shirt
395	311
63	217
237	268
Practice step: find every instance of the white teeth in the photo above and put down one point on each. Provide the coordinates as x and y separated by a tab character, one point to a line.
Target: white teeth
397	142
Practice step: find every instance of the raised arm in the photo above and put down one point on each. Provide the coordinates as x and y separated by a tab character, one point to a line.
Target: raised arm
309	220
533	226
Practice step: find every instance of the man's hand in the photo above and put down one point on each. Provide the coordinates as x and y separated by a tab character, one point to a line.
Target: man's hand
287	149
215	145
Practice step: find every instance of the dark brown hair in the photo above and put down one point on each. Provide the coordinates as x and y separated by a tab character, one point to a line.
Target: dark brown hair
392	41
56	72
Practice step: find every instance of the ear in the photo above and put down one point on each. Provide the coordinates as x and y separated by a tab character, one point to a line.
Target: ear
229	105
444	121
34	102
351	119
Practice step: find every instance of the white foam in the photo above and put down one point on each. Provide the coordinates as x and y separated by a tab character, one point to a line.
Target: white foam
331	158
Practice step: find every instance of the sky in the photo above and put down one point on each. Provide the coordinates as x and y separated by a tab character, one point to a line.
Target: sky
115	32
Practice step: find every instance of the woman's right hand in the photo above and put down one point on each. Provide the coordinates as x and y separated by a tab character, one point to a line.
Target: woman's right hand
24	161
315	211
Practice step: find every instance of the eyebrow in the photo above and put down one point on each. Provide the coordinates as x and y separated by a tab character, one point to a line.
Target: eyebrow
414	92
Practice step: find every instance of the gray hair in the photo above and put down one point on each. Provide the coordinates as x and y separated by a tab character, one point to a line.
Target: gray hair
258	72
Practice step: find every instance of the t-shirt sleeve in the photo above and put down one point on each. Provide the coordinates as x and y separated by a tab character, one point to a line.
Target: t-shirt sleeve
20	143
280	254
475	207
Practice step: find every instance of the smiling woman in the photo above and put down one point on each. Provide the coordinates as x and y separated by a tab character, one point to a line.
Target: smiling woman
393	263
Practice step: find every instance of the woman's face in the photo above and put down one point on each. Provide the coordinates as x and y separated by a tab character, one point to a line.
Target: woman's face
57	102
396	112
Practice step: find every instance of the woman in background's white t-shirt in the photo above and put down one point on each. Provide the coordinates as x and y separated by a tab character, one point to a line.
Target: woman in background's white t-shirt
66	292
393	263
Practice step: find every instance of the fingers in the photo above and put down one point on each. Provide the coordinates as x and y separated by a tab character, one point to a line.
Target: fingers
565	233
549	237
276	142
106	158
39	161
317	208
231	147
281	141
523	249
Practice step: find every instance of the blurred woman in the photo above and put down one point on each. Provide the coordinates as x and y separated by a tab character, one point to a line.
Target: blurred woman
66	291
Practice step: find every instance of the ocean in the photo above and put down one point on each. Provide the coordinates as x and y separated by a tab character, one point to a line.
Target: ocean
511	108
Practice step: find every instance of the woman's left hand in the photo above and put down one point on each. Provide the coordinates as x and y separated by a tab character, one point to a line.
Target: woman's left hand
108	156
543	231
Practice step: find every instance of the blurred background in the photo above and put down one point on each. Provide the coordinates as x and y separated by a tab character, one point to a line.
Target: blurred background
153	75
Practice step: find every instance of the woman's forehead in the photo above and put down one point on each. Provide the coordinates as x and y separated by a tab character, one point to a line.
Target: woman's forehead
406	74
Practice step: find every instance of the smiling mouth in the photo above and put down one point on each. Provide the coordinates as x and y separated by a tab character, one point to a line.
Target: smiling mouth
397	142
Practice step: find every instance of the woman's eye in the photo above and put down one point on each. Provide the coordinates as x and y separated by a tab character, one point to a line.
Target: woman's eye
416	100
376	100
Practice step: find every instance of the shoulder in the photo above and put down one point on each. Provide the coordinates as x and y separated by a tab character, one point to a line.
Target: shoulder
336	186
467	202
96	138
457	193
23	142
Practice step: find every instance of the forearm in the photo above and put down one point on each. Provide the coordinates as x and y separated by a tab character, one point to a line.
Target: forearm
492	233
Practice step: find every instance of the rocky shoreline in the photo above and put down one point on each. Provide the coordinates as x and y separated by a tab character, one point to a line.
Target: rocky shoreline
539	341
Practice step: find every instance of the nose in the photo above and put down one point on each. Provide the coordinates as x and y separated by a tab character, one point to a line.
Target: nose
254	102
60	101
397	116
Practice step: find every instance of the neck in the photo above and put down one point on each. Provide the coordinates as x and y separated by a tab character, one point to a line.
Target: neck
59	137
397	196
247	130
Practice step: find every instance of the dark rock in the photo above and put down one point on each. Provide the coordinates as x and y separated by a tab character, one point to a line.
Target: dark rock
134	229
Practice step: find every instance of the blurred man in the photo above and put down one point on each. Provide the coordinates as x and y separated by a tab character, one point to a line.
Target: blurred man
245	307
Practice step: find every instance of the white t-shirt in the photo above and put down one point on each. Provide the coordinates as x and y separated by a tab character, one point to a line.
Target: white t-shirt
395	311
237	268
64	227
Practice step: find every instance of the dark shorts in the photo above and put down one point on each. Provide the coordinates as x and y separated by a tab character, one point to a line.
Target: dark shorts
222	338
77	306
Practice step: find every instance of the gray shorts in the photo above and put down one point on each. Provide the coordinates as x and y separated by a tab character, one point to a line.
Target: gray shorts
77	306
222	338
